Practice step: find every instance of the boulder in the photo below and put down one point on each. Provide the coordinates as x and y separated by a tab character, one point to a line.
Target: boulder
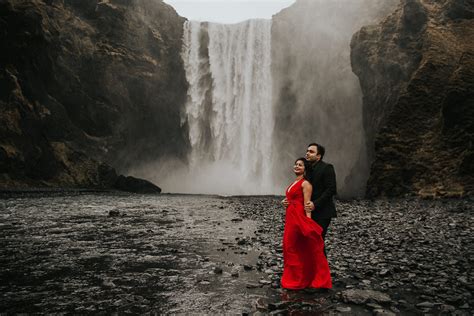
135	185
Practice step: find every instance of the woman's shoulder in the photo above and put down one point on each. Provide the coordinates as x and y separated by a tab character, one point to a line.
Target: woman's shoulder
305	183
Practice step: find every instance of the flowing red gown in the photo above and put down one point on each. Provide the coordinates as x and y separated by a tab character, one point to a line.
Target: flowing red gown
304	262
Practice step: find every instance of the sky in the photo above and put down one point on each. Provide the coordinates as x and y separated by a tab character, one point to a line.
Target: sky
228	11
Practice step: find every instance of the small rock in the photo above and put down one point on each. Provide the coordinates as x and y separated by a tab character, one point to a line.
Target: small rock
447	308
114	213
357	296
252	285
425	305
383	312
218	270
464	306
342	309
108	283
261	304
374	306
456	300
278	305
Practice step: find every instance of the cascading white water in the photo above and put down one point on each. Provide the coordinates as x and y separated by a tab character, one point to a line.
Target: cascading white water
229	108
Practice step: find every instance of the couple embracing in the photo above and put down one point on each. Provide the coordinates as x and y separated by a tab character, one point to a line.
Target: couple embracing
309	209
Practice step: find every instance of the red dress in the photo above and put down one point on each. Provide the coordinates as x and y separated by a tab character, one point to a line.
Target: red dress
304	262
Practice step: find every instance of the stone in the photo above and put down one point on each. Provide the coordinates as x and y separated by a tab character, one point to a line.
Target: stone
447	308
261	304
425	305
114	213
247	267
374	306
241	242
383	312
108	283
357	296
278	306
343	309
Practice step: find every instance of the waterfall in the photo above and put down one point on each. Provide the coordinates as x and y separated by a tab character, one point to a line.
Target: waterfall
229	111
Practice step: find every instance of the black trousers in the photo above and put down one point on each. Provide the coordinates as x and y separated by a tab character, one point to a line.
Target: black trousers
324	223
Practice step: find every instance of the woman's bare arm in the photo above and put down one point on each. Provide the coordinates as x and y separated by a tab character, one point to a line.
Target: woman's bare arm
307	191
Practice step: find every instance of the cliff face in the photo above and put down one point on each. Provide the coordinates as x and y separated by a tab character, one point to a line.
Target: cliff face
87	81
416	70
317	97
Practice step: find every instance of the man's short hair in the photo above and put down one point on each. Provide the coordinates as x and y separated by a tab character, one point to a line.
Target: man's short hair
321	149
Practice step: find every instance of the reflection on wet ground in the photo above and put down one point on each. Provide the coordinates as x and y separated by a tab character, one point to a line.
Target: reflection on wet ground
126	253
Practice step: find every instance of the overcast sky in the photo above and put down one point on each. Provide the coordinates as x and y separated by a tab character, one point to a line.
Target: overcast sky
228	11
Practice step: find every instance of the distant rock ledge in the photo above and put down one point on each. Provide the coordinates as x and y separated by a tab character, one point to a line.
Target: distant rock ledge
135	185
67	170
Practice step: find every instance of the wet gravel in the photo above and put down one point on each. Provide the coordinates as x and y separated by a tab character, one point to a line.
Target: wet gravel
135	254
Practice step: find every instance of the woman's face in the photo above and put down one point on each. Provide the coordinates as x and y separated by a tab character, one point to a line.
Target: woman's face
298	168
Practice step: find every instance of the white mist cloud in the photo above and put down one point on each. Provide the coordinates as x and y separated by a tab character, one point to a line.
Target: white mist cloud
213	178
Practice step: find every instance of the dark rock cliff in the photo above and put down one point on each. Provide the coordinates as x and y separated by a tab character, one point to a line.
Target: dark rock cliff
315	93
416	70
87	81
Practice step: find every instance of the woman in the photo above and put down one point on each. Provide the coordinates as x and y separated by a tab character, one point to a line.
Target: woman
305	265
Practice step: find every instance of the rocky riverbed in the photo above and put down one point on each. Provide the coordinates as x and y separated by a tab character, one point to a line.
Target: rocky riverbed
107	252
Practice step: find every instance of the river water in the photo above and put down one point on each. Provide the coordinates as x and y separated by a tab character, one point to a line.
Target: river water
161	253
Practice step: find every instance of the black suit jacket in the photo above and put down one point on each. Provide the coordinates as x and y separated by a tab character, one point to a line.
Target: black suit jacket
323	178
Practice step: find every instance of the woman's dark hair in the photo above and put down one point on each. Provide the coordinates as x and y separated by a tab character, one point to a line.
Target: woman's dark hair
303	160
305	165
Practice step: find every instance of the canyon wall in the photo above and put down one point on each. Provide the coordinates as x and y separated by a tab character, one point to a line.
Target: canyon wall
88	81
416	70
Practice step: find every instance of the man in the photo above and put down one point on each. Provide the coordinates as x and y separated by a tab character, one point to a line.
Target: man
323	178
